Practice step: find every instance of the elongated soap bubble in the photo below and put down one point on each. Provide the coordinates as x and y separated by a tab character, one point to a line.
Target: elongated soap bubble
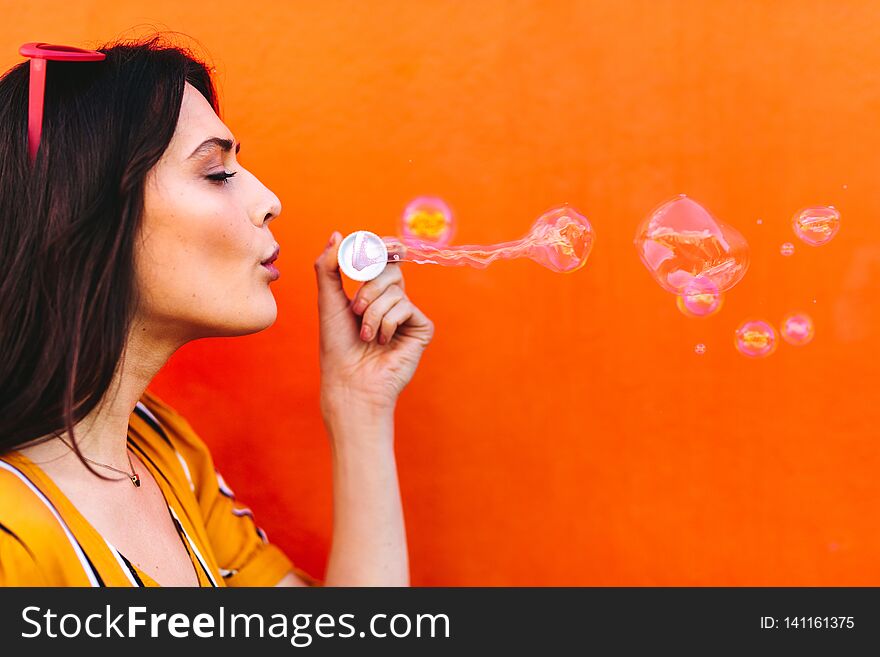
816	225
681	240
560	240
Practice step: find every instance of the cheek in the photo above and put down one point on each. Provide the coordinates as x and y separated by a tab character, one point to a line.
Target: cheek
200	252
218	239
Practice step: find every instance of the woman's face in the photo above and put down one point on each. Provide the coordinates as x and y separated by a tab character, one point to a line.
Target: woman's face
202	241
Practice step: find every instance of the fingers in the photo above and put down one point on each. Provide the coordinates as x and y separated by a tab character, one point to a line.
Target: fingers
404	317
372	290
394	313
414	324
331	295
397	315
378	309
382	301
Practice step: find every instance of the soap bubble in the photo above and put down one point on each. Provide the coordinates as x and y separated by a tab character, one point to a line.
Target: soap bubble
787	249
561	239
756	339
427	220
700	298
817	225
700	349
680	241
797	329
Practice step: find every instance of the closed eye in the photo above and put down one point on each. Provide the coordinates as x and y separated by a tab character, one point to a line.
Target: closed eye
222	177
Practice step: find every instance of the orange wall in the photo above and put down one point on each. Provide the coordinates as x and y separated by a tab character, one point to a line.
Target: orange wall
560	429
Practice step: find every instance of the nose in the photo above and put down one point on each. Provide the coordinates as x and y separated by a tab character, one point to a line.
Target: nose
271	207
264	205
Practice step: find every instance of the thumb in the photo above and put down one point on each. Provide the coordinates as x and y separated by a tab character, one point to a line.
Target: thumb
331	294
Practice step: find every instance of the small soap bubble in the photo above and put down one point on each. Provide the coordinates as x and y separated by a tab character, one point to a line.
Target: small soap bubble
755	339
787	249
700	298
845	186
760	221
797	329
817	225
700	349
428	220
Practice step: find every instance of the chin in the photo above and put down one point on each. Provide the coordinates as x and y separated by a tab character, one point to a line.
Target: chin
250	321
264	317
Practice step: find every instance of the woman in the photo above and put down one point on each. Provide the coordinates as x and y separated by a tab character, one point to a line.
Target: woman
134	232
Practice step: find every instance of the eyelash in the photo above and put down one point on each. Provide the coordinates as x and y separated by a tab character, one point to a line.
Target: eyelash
222	178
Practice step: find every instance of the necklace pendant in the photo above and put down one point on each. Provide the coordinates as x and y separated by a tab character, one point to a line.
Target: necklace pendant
135	480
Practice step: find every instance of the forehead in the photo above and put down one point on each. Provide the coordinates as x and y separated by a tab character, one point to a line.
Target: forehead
197	122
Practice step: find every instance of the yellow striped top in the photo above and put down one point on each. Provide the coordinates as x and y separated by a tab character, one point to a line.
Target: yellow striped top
45	541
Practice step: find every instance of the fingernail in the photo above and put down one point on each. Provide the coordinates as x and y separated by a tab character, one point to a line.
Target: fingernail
366	332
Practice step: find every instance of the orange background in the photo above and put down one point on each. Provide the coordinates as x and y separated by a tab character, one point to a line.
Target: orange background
561	429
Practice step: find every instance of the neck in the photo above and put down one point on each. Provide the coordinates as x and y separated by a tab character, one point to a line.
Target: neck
102	435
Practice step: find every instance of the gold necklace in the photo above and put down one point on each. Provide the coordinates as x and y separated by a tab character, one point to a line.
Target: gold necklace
133	476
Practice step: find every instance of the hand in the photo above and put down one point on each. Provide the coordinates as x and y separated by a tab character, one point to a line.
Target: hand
370	345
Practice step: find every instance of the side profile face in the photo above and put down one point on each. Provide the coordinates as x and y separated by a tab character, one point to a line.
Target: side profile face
202	241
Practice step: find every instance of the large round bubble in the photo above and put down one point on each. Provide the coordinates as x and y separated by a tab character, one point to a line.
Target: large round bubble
681	240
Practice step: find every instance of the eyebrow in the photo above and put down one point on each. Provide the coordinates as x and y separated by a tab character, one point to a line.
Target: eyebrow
224	144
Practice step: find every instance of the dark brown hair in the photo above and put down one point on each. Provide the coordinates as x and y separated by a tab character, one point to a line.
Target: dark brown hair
68	225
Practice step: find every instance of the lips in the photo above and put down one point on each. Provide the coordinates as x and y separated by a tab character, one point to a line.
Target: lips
272	258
